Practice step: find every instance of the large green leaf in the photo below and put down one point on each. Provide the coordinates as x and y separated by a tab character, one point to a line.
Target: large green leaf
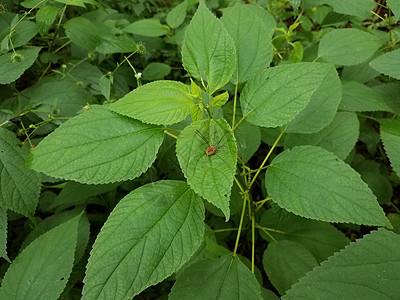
274	97
366	269
286	262
339	137
148	236
395	7
253	47
45	18
24	32
42	269
159	102
147	27
388	64
359	8
312	182
389	92
83	33
12	67
216	279
359	97
320	238
177	15
390	134
97	146
322	107
59	97
208	51
347	46
211	176
19	187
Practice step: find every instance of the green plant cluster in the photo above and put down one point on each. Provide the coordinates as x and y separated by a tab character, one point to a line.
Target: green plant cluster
199	149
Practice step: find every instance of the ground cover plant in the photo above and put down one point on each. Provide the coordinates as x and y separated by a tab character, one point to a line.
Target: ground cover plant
199	150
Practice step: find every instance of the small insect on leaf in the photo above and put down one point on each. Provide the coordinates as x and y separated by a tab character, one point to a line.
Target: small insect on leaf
206	152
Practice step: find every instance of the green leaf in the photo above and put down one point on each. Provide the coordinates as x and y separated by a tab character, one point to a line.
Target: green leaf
312	182
208	51
359	97
390	94
358	8
320	238
197	112
42	269
45	18
150	234
395	8
24	32
177	15
159	102
3	234
296	55
155	71
339	137
12	67
220	99
222	278
210	176
388	64
195	90
82	150
72	2
390	135
347	46
275	96
147	27
83	33
59	97
251	36
322	107
19	187
286	262
361	73
379	185
366	269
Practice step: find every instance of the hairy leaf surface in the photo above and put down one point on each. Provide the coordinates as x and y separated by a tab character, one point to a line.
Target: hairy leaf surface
97	146
366	269
312	182
211	176
274	97
216	279
159	102
208	51
19	187
148	236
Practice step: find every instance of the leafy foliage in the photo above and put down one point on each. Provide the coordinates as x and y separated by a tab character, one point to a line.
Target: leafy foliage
194	149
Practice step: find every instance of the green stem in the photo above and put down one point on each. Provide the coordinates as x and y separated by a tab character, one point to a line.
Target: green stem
240	224
234	105
170	134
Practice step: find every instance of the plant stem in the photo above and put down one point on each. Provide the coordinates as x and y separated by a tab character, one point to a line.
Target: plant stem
240	224
234	105
170	134
253	242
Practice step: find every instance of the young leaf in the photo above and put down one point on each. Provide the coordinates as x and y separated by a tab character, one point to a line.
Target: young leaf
19	187
359	97
220	99
322	107
388	64
250	34
275	96
312	182
195	90
390	134
222	278
42	269
197	112
160	102
347	46
13	66
147	27
339	137
97	146
211	176
45	18
286	262
320	238
366	269
148	236
208	51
